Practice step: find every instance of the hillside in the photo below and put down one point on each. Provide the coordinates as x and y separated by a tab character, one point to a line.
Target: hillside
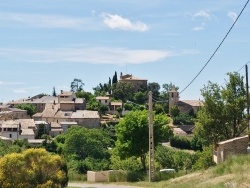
235	172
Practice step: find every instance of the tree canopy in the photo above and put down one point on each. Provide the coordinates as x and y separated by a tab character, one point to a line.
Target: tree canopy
133	137
31	109
222	116
33	168
76	85
88	148
123	91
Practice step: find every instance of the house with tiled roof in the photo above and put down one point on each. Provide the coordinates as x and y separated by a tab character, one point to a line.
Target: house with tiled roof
185	106
67	101
18	129
138	83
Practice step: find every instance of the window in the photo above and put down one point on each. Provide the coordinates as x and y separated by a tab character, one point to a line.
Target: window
10	135
106	101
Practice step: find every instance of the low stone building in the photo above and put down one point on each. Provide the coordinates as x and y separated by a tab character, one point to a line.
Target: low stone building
230	147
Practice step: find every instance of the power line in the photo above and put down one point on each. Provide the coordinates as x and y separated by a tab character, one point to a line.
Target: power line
216	48
238	71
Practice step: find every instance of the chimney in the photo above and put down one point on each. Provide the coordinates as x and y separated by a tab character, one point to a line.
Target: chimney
61	91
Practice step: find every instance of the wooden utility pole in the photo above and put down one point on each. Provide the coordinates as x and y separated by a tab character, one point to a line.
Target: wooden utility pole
247	93
151	139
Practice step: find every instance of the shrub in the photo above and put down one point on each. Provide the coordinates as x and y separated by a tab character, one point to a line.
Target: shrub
204	159
180	142
118	176
176	159
183	119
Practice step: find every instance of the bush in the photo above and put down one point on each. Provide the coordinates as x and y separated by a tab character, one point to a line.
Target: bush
183	119
180	142
118	176
196	143
176	159
204	159
133	176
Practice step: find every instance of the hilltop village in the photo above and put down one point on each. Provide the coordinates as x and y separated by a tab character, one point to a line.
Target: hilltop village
107	135
55	114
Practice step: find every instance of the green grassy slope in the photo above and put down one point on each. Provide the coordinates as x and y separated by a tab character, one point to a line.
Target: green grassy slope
235	172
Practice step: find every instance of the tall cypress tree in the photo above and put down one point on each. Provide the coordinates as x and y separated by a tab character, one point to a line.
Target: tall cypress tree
114	80
54	92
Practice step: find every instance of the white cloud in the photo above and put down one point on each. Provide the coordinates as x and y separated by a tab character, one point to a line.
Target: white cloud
232	15
25	90
11	83
202	14
98	55
118	22
20	91
198	28
42	21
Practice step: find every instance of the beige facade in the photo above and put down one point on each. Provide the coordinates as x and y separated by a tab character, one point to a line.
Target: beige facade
103	100
66	96
230	147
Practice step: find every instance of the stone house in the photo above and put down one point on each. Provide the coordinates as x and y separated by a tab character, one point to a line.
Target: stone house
105	100
138	83
39	103
55	129
13	113
234	146
114	106
86	118
185	106
18	129
67	101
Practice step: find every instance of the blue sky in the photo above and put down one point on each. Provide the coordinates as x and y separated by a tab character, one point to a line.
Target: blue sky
48	43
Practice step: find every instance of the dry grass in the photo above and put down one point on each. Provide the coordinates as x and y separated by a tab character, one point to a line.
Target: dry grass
234	173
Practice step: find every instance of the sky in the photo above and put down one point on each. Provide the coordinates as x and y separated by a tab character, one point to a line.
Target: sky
48	43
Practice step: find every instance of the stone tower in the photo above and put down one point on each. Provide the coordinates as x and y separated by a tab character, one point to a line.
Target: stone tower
173	97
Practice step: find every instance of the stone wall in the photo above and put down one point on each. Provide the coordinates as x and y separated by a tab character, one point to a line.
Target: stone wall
104	176
230	147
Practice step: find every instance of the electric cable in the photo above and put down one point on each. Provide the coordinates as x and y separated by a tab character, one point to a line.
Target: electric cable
216	48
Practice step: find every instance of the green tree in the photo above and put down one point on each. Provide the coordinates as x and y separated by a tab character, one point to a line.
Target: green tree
222	116
155	88
88	148
122	91
174	111
76	85
140	97
86	95
103	108
132	134
31	109
33	168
